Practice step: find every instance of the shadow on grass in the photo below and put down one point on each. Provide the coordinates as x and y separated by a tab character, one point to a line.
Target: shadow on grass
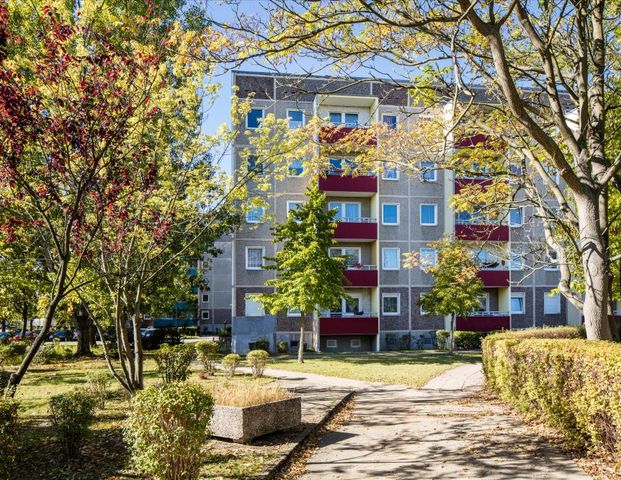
392	358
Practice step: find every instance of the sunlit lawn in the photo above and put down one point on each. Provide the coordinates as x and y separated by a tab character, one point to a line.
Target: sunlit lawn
413	369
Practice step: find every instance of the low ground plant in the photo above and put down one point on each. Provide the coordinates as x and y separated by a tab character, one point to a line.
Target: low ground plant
230	364
71	414
283	347
166	428
257	360
246	395
208	353
8	435
173	363
54	352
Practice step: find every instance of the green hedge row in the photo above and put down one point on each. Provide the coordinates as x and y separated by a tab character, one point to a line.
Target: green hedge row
572	384
463	340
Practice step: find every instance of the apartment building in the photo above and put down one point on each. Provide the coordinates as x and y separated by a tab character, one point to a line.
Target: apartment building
380	217
214	301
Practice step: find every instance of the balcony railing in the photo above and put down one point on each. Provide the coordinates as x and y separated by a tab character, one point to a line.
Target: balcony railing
494	277
348	315
361	267
481	232
361	276
484	321
349	325
482	221
489	313
356	228
336	133
337	184
357	219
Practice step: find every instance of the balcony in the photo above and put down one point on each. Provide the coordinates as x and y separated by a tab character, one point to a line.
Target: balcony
494	277
336	185
364	276
484	321
481	232
358	135
349	325
356	229
467	182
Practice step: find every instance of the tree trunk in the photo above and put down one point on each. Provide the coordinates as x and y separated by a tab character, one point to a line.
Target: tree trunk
452	335
24	319
301	343
83	324
4	322
595	268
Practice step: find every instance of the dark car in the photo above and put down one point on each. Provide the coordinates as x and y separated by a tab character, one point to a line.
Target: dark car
153	338
62	335
28	336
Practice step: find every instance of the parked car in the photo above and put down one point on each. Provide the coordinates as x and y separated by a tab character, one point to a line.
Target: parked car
62	335
153	338
5	337
28	336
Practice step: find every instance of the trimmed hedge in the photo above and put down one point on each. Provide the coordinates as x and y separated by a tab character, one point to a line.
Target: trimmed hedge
572	384
463	340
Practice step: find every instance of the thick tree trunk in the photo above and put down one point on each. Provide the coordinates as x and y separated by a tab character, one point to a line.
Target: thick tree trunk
301	343
24	319
4	322
84	327
595	268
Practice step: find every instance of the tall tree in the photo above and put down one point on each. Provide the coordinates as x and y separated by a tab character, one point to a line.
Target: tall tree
456	286
544	66
307	279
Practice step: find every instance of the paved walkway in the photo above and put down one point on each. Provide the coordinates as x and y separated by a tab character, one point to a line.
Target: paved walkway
437	432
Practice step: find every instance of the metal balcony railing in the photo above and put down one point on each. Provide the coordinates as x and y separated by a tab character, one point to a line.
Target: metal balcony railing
357	219
488	313
348	315
358	266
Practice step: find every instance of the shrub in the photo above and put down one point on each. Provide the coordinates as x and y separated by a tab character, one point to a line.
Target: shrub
442	339
4	380
98	383
8	435
230	363
247	394
257	360
571	384
13	352
166	428
53	353
283	347
173	363
260	345
71	414
463	340
208	355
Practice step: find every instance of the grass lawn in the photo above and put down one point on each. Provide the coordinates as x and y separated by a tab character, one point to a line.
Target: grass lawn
105	455
413	369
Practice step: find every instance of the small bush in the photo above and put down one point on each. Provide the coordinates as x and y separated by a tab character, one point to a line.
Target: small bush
71	414
166	428
247	394
463	340
208	355
4	380
257	360
283	347
98	383
53	353
13	352
173	363
230	364
8	435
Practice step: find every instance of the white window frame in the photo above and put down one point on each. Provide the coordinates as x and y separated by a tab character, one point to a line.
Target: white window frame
261	308
485	295
343	208
547	297
398	258
358	250
398	205
332	343
255	221
205	296
385	169
291	202
435	214
255	170
523	297
203	317
355	343
396	295
341	122
262	257
420	257
289	118
262	117
549	266
434	172
515	225
289	169
512	262
384	115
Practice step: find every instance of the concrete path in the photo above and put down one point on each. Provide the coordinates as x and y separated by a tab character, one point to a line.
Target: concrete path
464	377
437	432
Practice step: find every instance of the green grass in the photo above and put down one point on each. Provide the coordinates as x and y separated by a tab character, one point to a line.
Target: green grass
413	369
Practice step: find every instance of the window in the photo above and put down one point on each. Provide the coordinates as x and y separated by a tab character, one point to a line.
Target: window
336	118
351	254
331	343
351	307
517	303
484	299
253	308
296	118
345	211
390	258
355	343
340	166
488	260
255	215
391	304
516	217
205	298
205	314
293	205
390	120
428	214
254	258
351	119
551	304
296	167
428	257
428	171
551	261
254	166
389	173
390	214
253	120
517	261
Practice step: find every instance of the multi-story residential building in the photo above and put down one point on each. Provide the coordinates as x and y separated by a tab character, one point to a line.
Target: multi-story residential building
380	217
214	301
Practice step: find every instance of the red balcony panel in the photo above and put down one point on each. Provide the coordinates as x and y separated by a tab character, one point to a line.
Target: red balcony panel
348	183
494	278
361	278
356	231
466	182
495	233
481	323
354	325
473	141
361	136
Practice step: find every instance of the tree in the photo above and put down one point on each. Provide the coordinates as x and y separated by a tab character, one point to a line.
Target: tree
456	286
543	67
307	279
